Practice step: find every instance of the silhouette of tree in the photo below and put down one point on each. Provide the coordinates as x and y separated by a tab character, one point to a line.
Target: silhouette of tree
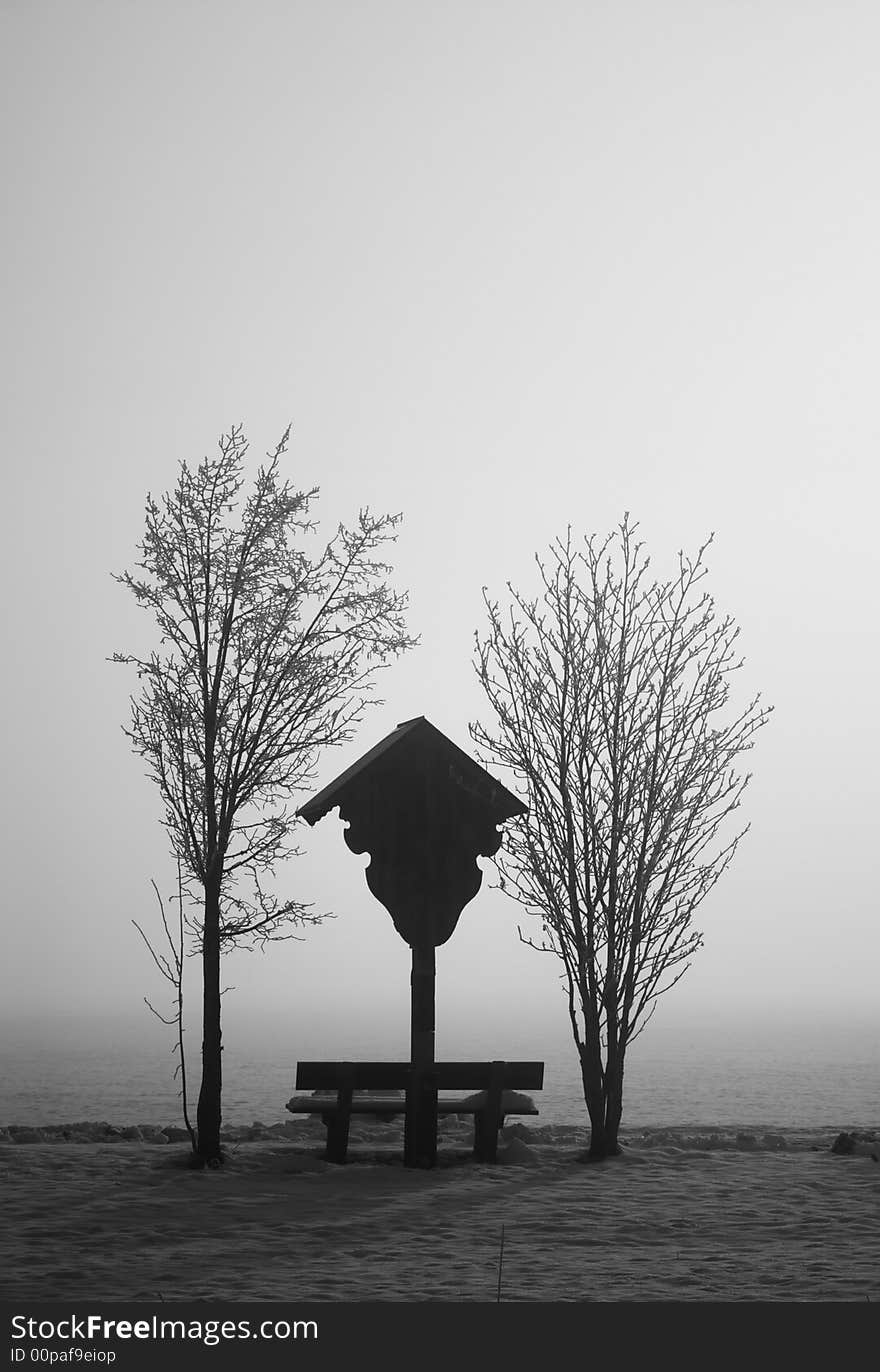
266	656
611	701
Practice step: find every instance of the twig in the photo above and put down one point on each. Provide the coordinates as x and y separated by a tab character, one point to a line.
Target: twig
173	973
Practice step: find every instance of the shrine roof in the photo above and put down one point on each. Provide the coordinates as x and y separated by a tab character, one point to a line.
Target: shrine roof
412	739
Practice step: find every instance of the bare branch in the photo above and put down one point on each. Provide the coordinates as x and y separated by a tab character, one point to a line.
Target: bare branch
172	972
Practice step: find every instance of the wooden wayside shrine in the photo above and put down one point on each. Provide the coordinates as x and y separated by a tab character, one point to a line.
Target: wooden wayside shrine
425	812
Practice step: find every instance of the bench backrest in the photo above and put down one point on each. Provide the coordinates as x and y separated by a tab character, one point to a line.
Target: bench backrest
393	1076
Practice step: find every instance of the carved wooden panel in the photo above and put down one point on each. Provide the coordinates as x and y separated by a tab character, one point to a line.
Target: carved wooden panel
424	831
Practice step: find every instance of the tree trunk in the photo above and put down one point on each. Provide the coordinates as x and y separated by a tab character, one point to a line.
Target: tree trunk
613	1103
209	1110
603	1096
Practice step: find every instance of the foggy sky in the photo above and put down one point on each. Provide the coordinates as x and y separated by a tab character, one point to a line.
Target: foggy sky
503	267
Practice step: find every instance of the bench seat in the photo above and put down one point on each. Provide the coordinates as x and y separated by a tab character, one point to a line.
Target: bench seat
393	1105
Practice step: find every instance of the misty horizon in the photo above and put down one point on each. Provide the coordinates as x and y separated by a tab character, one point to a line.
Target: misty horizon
503	277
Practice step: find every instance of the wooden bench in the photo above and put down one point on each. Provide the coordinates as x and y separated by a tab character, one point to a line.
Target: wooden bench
489	1108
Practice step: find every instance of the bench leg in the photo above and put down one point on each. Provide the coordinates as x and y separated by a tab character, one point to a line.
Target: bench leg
337	1135
485	1136
488	1121
478	1136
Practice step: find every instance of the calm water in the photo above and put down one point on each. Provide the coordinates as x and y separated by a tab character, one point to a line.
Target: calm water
832	1081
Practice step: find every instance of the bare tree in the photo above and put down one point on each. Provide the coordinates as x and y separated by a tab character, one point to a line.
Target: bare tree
611	701
266	656
171	966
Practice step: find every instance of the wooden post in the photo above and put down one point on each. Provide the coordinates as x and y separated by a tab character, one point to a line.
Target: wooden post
420	1144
